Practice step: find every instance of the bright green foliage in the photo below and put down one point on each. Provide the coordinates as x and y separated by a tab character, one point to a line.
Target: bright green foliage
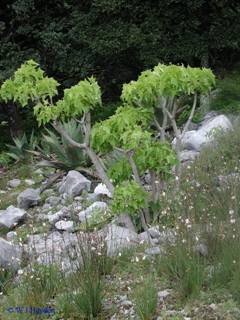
156	156
83	97
129	197
58	152
166	81
120	170
29	84
115	131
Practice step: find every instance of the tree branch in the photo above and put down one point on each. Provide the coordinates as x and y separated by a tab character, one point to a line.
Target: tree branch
59	128
191	114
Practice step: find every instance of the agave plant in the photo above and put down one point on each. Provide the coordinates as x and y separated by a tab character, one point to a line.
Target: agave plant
58	153
22	148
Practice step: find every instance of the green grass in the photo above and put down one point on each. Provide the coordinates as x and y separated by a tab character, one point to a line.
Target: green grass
145	298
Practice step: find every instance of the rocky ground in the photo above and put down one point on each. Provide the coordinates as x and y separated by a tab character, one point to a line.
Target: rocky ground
46	215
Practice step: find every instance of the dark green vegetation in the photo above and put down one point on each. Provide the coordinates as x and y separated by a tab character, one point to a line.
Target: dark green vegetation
113	40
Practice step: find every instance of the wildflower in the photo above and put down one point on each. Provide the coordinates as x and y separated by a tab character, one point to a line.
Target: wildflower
231	211
232	221
137	259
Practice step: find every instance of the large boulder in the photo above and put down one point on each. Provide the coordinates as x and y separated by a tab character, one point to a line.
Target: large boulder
61	249
196	139
10	217
29	198
10	255
74	184
98	206
119	238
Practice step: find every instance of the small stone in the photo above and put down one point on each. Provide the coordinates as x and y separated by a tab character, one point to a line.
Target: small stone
11	236
164	294
102	190
53	218
213	306
10	217
29	198
64	225
29	182
96	206
14	183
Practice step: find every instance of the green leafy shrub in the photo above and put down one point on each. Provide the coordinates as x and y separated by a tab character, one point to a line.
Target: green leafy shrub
129	197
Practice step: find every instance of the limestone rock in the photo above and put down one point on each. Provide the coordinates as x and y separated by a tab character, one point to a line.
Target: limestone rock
102	189
196	139
74	184
118	238
14	183
95	207
63	225
10	255
29	198
10	217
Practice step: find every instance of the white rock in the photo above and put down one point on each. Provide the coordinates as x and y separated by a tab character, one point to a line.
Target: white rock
196	139
53	218
74	184
29	198
14	183
10	217
29	182
10	255
11	236
102	189
164	294
64	225
95	207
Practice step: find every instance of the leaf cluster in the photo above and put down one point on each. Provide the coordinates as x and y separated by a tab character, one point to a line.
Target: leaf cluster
129	197
166	81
